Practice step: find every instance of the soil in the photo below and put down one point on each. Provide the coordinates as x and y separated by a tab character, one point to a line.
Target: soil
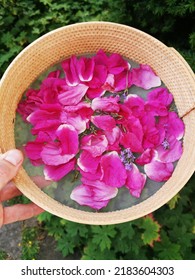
10	240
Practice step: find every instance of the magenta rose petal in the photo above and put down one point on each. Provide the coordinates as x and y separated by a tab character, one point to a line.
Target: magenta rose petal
87	162
95	144
170	150
70	69
85	67
144	77
107	104
68	137
104	122
52	154
56	173
114	173
72	95
159	171
135	181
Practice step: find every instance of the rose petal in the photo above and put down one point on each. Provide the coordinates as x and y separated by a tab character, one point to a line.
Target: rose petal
52	154
70	69
95	144
94	197
159	171
87	162
135	181
33	151
104	122
144	77
72	95
68	137
160	95
114	173
85	67
106	104
56	173
146	156
172	153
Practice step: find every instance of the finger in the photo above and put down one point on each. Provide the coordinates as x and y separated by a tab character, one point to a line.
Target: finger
10	163
20	212
10	190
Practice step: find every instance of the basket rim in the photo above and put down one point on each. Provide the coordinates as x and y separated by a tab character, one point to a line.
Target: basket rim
149	205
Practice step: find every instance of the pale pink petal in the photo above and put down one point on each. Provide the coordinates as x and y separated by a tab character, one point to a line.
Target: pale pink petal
70	69
52	154
107	104
85	67
170	151
135	181
104	122
159	171
95	144
72	95
94	197
68	137
56	173
87	162
114	173
144	77
101	190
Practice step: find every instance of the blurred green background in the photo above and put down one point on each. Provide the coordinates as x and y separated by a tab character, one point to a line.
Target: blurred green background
169	233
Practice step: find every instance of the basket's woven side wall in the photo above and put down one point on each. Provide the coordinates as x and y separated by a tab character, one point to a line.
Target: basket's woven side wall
89	38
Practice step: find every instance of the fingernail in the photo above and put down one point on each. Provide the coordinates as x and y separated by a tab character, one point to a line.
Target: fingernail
14	157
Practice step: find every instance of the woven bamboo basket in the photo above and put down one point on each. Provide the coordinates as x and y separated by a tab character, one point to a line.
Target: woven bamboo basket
85	38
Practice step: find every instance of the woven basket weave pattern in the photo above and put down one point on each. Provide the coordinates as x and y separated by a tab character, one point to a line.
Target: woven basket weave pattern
86	38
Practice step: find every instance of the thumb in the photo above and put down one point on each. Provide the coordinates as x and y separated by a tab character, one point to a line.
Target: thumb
10	163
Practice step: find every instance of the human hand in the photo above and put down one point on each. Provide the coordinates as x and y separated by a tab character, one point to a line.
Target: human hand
10	163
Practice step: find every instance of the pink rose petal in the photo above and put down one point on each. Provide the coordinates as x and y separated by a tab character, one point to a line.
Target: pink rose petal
95	144
70	69
56	173
106	104
104	122
114	173
144	77
52	154
135	181
159	171
68	137
72	95
87	162
85	67
171	151
94	197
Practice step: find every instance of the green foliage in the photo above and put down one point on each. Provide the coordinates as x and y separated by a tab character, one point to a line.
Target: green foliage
30	243
168	233
3	255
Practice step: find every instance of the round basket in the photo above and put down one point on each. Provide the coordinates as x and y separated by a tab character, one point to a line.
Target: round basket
85	38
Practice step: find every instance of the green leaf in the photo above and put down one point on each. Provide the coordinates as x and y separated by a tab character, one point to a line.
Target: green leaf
102	236
172	203
151	230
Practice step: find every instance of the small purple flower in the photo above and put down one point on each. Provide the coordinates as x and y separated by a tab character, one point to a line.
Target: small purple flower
165	144
127	158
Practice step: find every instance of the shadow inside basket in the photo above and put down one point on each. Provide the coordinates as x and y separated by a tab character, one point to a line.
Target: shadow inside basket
62	189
